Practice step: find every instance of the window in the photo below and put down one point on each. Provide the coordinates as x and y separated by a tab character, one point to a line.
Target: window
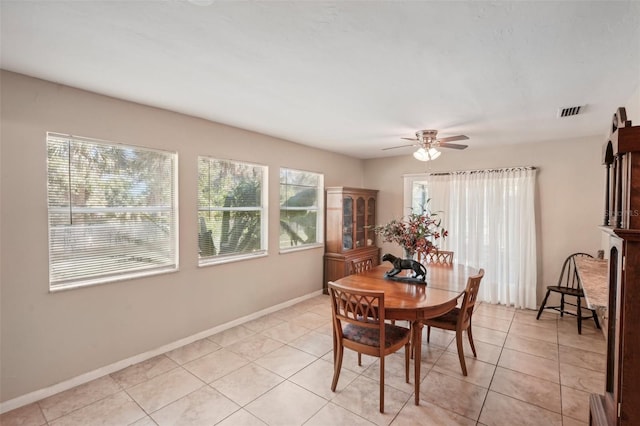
112	211
232	210
300	208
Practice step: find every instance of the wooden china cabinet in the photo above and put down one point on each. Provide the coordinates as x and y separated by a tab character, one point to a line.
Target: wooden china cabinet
350	218
620	403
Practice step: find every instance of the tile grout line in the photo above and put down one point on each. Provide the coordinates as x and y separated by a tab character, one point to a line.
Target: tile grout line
559	373
484	401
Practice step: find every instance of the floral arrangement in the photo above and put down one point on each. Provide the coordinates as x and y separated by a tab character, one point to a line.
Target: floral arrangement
416	234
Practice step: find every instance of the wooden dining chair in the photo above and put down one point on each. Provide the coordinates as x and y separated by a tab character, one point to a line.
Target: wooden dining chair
438	257
459	319
358	324
361	265
357	267
569	285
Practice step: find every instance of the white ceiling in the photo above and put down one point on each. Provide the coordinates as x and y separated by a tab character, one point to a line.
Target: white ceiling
350	76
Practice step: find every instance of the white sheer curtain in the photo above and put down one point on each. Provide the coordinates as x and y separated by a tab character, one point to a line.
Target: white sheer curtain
490	217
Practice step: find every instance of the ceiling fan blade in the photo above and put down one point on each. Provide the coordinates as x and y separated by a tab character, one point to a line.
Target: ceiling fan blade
399	146
453	145
453	138
411	139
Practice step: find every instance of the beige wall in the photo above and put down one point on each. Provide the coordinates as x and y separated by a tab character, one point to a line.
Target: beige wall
569	193
51	337
47	337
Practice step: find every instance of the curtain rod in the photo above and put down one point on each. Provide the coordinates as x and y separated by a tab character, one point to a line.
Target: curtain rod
506	169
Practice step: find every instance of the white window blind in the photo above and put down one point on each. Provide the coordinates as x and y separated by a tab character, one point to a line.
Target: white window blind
112	211
232	210
301	216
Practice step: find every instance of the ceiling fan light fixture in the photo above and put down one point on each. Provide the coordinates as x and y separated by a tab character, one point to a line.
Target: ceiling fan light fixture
424	154
421	154
434	153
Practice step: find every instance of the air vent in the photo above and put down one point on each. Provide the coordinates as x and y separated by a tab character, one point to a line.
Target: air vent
569	111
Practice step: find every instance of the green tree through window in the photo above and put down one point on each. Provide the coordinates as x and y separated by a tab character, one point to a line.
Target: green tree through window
111	211
231	209
300	213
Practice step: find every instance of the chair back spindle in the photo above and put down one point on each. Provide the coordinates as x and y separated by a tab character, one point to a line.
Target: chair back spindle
438	257
359	266
569	276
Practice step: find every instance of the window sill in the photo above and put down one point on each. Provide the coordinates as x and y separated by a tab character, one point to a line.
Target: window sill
301	248
231	258
110	280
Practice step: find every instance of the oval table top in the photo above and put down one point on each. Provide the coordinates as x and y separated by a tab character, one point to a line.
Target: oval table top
415	301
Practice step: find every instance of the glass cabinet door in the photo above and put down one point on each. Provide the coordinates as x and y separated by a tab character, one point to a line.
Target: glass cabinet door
360	222
347	223
371	222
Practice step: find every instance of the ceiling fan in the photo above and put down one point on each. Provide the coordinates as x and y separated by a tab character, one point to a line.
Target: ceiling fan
427	142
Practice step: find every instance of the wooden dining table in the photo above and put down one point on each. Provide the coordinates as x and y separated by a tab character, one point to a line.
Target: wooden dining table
415	302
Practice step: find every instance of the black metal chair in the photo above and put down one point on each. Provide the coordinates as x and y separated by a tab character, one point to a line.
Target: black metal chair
569	285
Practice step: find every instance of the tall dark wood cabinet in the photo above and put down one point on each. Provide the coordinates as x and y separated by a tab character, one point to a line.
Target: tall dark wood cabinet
350	218
620	403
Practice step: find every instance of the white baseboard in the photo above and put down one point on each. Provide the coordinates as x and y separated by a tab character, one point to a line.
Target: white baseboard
39	394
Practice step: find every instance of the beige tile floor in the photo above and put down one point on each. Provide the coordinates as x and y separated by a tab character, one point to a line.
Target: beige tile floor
277	371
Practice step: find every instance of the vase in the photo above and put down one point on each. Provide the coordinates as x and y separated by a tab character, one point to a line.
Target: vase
409	254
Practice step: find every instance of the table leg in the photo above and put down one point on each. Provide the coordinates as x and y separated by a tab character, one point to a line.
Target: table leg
417	356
